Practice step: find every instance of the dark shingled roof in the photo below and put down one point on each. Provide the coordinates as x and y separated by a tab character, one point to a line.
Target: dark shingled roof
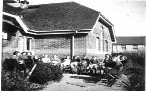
131	40
57	16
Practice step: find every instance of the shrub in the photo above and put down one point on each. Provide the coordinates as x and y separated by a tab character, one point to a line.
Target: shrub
138	57
45	72
11	81
136	76
135	71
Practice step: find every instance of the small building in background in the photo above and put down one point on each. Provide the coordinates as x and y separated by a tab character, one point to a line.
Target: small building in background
129	44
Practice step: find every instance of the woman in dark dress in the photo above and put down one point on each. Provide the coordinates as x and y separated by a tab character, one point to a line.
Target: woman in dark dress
29	61
108	61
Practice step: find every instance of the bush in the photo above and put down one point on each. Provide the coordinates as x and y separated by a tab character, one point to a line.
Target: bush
135	71
138	57
136	76
11	81
45	72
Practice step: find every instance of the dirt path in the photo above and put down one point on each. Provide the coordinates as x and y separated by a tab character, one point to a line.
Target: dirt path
74	82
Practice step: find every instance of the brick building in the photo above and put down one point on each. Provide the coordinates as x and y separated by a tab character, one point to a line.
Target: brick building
56	29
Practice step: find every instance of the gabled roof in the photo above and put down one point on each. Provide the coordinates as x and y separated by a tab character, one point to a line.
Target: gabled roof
57	16
131	40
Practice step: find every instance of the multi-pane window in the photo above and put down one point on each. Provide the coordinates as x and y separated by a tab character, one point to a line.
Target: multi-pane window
123	47
135	47
24	43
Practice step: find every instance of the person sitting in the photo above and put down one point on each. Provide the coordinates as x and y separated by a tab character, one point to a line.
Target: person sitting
123	60
101	64
55	60
85	61
108	61
117	61
16	55
112	65
66	62
46	59
23	55
29	61
93	66
36	59
74	63
21	62
11	63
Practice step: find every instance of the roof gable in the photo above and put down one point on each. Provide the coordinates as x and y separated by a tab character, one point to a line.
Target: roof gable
132	40
61	16
57	16
52	18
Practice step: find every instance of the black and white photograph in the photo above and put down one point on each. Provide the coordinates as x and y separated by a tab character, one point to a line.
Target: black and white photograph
73	45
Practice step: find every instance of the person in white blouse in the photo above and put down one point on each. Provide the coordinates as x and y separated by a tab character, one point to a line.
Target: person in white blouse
66	62
46	59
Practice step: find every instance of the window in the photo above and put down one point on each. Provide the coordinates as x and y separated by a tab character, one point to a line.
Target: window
4	35
98	44
106	46
28	43
21	43
24	43
102	38
123	47
135	47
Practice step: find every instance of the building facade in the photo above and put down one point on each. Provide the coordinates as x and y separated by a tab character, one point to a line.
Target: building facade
129	44
57	29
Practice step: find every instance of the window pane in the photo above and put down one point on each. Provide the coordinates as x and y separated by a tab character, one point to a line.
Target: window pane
135	47
123	47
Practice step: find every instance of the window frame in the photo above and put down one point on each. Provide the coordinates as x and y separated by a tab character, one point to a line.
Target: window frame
135	47
123	47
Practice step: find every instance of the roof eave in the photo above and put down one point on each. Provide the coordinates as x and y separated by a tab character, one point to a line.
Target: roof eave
59	32
110	26
29	31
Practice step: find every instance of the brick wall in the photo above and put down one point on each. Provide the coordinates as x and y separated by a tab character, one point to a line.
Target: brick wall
9	46
59	45
84	44
91	41
80	44
52	45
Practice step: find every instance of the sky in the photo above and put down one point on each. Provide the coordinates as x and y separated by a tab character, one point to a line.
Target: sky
127	16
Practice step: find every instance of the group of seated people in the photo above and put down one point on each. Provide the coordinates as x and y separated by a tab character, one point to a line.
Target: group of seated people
96	65
24	61
27	60
116	61
55	60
